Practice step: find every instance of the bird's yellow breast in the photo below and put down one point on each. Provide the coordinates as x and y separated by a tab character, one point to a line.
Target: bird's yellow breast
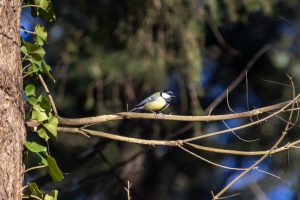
155	105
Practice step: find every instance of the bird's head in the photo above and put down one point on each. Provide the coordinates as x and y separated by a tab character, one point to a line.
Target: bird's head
167	95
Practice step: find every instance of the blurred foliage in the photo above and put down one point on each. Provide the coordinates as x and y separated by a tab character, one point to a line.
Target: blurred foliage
110	54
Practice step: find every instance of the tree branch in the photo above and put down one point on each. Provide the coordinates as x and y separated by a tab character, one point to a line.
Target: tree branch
205	118
119	137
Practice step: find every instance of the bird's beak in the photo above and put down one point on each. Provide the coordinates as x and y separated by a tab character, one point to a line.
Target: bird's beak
173	96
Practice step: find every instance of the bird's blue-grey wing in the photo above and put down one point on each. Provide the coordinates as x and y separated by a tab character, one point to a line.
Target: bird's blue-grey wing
147	100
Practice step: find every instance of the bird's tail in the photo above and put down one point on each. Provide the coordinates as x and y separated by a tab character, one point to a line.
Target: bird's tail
134	109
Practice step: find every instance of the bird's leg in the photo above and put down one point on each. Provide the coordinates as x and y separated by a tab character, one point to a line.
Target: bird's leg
155	115
162	115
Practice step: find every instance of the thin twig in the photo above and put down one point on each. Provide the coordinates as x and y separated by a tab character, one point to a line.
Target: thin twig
210	162
275	82
49	95
236	135
223	166
247	93
35	167
284	133
35	6
127	189
227	101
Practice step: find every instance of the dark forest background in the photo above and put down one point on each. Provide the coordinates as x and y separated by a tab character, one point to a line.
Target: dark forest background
109	55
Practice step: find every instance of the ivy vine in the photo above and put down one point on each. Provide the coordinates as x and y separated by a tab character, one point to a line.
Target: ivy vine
41	107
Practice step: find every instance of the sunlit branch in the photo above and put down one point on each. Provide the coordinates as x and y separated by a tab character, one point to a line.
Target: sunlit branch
175	142
243	153
244	126
204	118
119	137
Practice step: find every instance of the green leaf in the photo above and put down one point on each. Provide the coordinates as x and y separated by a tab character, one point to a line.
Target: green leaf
32	50
43	160
40	34
44	10
45	4
44	103
46	69
32	100
34	189
33	69
35	147
24	50
42	132
37	53
38	113
52	196
30	90
51	125
54	170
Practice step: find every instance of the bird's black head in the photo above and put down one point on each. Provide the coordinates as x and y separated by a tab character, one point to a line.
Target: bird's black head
167	95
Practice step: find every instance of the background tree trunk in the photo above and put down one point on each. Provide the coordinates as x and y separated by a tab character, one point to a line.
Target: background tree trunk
12	129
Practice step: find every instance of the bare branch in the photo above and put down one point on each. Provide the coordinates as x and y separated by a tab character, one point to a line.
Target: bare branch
204	118
246	125
243	153
119	137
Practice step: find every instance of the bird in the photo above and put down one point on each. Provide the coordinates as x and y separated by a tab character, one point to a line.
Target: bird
155	103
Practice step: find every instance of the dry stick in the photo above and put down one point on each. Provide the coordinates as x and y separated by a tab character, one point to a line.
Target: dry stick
243	126
247	93
284	133
172	142
127	189
239	78
247	90
243	153
132	115
120	138
236	135
223	166
210	162
227	101
275	82
49	95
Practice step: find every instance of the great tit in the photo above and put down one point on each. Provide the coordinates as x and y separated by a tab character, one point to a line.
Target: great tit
157	102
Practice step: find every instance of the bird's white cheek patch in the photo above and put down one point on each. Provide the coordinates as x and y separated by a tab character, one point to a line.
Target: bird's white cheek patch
165	95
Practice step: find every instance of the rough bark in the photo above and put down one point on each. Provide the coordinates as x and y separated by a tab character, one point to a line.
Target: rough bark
12	129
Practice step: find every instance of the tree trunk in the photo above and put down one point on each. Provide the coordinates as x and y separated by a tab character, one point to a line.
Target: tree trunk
12	129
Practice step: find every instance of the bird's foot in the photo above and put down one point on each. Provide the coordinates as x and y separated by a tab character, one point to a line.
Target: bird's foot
155	115
162	115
